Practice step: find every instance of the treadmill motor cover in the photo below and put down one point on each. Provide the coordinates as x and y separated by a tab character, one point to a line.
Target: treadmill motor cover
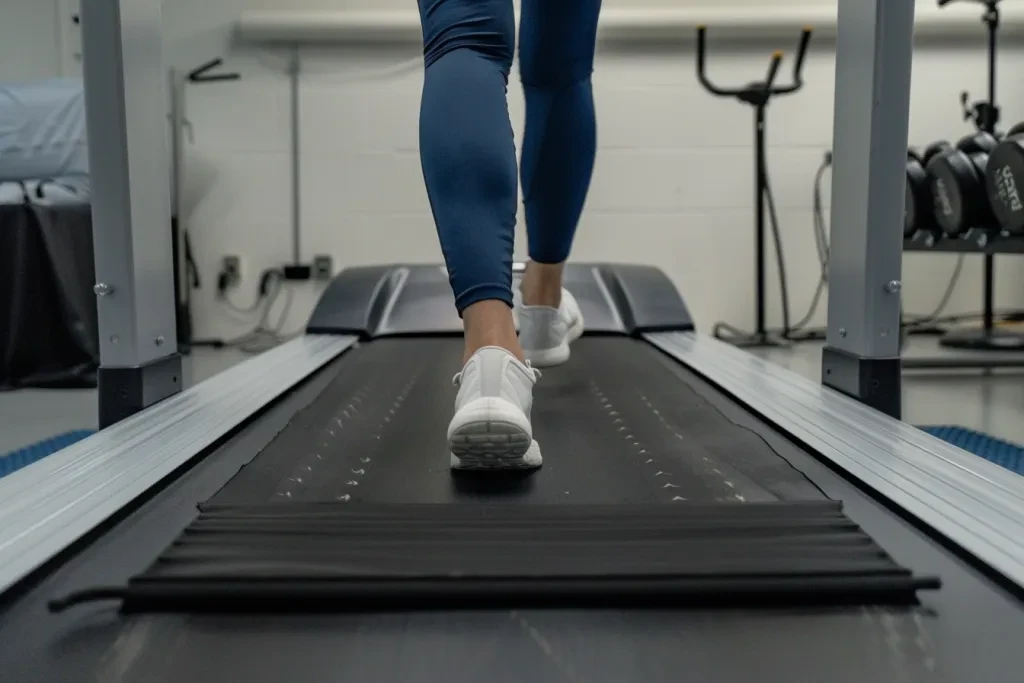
374	301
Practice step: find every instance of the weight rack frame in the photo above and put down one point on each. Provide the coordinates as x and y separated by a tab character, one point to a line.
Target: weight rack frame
976	241
982	240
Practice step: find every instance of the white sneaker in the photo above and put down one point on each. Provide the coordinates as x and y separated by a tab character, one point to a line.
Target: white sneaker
491	429
545	332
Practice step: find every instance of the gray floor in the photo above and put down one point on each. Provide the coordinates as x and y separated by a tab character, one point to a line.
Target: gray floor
989	401
31	415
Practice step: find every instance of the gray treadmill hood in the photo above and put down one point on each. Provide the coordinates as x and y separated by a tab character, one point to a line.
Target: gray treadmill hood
374	301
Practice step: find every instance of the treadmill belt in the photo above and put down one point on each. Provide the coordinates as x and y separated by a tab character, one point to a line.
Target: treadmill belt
310	557
649	494
619	423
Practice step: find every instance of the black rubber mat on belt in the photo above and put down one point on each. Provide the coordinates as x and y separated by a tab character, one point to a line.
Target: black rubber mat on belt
333	557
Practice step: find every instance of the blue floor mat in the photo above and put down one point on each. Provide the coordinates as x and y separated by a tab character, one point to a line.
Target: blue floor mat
1004	453
15	460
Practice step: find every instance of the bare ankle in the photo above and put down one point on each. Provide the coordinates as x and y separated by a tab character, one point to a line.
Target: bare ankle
542	284
489	323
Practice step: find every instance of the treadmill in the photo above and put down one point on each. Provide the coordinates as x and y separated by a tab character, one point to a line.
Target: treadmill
295	519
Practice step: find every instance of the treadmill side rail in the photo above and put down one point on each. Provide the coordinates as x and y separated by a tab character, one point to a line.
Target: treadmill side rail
386	300
976	504
53	503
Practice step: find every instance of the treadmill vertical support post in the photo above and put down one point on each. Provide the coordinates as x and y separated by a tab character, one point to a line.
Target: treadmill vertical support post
872	111
126	118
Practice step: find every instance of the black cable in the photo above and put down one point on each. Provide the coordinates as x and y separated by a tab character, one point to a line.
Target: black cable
242	310
944	301
84	596
820	243
725	331
777	238
812	309
915	324
935	327
264	335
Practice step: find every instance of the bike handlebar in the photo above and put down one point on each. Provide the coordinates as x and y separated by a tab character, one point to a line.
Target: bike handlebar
988	3
798	65
773	69
201	74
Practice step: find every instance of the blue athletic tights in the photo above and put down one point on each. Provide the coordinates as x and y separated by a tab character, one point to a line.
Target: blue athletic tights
466	140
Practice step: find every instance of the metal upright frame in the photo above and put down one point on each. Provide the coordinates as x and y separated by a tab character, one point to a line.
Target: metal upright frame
126	115
874	46
152	427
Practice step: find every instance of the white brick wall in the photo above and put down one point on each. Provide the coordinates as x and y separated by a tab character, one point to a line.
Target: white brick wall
673	184
29	40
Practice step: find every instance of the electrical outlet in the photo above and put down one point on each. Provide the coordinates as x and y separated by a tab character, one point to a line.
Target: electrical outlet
323	267
231	271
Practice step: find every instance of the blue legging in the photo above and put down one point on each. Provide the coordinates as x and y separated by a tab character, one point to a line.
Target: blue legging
466	140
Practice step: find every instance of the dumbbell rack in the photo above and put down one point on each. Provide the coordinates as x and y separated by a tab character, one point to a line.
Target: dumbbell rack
972	242
989	337
986	242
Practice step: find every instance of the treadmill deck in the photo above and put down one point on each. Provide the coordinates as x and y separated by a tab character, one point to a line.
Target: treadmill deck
619	424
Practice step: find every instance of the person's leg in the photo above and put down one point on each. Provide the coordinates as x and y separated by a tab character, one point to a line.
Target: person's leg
556	57
469	166
469	159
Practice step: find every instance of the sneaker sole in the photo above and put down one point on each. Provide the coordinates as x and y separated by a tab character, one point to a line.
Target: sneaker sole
545	358
576	331
491	434
490	463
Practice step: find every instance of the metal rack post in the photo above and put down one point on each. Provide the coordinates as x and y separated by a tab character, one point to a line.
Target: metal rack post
874	46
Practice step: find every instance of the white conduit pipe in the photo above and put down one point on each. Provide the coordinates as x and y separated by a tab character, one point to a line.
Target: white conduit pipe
636	27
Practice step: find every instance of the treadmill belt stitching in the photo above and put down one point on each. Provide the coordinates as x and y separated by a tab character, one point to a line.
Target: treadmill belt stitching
619	423
335	557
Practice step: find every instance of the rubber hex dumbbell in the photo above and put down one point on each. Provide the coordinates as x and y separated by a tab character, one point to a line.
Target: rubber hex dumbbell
957	179
918	213
1004	181
1016	130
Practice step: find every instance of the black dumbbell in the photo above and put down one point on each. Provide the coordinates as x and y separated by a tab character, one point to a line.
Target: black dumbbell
1004	176
917	214
1016	130
957	179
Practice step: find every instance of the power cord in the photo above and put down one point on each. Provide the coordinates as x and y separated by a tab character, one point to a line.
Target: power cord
911	322
264	335
726	331
821	245
773	218
914	324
